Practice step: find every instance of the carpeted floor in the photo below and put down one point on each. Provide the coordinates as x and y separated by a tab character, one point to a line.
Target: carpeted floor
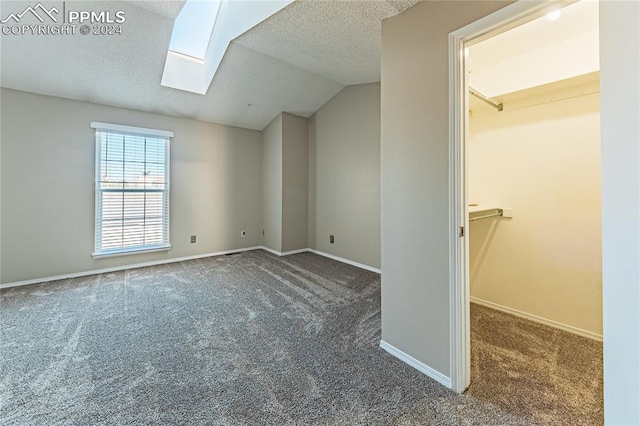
256	339
548	375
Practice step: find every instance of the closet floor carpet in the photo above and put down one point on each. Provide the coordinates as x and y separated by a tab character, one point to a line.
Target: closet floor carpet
535	371
253	338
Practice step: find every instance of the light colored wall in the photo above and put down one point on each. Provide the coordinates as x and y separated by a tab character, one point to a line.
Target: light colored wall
414	176
272	184
48	185
620	103
344	175
542	160
295	182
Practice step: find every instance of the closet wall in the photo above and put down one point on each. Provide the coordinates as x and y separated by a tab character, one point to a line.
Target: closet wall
541	157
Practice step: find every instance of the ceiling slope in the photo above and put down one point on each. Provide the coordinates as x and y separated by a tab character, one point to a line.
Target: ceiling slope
295	61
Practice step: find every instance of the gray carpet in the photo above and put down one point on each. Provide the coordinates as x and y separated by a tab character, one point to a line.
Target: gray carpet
549	375
232	340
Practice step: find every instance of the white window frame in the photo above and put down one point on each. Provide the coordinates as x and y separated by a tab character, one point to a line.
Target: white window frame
102	128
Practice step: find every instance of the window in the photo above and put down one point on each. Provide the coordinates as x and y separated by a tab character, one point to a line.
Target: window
132	190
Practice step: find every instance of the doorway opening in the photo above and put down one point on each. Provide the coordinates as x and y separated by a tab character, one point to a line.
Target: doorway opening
525	177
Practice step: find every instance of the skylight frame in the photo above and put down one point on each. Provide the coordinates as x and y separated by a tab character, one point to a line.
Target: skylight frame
184	70
193	28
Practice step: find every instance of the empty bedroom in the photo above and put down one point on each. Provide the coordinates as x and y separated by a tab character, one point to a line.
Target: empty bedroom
237	212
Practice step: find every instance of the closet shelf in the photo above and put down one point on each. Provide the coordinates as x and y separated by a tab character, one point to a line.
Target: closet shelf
484	212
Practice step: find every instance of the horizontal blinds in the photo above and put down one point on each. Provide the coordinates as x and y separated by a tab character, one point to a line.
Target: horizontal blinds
132	192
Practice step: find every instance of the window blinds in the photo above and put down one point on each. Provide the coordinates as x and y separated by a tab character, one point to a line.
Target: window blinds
132	191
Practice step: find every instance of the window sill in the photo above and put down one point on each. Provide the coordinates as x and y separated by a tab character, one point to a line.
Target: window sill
127	252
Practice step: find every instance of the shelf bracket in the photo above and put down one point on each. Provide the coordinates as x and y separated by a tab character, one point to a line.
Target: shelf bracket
496	213
485	99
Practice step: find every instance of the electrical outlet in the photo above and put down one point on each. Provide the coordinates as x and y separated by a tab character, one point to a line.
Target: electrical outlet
243	234
193	239
331	239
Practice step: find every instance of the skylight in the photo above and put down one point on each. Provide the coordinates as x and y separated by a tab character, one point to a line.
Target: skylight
193	27
201	35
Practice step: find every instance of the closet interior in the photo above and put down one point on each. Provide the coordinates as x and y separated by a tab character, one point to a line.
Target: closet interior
534	171
534	231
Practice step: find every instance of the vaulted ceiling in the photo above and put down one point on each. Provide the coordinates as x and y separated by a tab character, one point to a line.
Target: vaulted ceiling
295	61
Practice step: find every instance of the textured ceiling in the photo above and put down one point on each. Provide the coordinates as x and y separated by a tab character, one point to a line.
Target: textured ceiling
339	40
167	8
294	61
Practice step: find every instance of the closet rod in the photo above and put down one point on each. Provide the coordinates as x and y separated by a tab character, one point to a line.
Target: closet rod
499	212
484	99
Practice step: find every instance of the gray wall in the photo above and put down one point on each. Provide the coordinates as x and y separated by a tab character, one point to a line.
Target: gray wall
47	193
620	105
344	175
414	176
285	183
272	184
295	182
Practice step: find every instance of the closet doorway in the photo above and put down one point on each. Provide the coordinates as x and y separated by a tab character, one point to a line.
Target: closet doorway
531	259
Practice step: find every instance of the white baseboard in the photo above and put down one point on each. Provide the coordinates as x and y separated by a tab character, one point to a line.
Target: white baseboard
347	261
421	367
181	259
535	318
285	253
321	253
123	267
270	250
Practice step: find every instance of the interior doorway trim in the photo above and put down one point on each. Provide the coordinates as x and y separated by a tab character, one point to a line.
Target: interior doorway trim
500	21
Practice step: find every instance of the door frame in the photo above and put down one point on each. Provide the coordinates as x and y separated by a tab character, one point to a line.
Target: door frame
500	21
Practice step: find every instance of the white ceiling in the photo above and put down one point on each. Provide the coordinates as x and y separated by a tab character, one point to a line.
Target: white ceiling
295	61
574	20
537	53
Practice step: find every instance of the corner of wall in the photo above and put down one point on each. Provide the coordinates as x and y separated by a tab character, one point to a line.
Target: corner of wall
295	177
344	175
271	186
311	202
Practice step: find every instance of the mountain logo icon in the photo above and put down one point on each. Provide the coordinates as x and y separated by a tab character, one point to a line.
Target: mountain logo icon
39	11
